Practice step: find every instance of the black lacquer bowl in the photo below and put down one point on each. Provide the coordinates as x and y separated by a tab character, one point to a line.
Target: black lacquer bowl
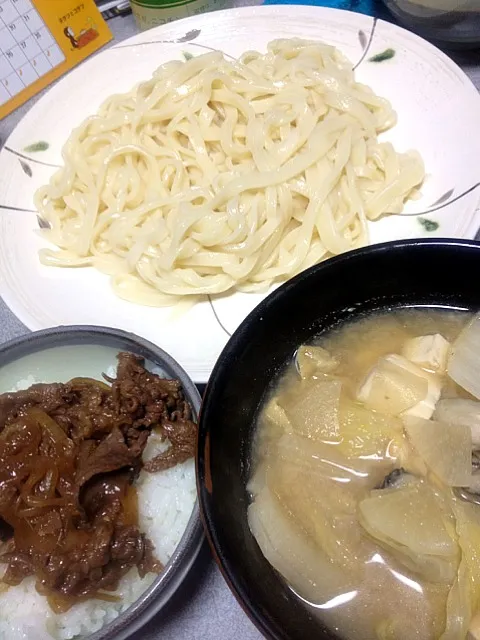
456	29
438	273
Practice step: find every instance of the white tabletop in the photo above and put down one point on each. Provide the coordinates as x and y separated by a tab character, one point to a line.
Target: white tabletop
203	607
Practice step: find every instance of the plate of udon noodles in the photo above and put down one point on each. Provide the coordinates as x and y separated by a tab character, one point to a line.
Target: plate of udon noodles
171	182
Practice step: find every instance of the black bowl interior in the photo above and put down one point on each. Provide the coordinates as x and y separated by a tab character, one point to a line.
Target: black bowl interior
411	273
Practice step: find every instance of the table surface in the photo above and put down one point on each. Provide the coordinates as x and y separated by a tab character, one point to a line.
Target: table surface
203	607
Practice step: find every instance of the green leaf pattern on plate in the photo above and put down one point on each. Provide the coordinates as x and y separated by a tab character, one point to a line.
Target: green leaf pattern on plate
388	54
41	145
428	225
26	168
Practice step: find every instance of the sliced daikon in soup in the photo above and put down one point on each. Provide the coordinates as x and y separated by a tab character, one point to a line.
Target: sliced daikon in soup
468	530
410	523
366	433
325	460
412	516
313	408
313	360
446	448
460	411
323	508
293	552
458	606
464	596
276	417
464	361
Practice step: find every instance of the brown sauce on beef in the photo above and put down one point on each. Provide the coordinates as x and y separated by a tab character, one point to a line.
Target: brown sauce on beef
69	455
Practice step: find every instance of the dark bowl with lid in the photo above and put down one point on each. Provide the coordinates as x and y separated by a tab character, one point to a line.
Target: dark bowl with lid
453	24
418	273
62	353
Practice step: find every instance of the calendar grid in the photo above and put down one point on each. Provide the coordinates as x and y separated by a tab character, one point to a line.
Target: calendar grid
28	50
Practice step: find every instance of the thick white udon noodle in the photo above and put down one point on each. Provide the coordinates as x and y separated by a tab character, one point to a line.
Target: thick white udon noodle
219	175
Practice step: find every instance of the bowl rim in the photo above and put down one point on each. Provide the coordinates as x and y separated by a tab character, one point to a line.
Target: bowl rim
436	34
156	596
203	472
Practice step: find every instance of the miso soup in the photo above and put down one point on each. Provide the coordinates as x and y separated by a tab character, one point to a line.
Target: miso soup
366	469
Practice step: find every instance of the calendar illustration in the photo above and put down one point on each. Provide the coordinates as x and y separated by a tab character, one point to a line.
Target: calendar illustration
27	48
41	40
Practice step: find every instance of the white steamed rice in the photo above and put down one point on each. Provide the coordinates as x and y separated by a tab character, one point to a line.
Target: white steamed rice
165	501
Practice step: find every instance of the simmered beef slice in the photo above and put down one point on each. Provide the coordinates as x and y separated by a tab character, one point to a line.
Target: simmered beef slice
163	406
96	565
102	498
148	399
90	414
182	435
111	453
47	396
20	566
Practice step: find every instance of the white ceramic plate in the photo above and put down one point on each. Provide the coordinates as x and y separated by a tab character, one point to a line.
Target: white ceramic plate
439	114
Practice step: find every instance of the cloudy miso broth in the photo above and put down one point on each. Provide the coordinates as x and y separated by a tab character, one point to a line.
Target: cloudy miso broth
359	456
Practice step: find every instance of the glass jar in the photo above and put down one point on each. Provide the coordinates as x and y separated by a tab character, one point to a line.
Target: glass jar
151	13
